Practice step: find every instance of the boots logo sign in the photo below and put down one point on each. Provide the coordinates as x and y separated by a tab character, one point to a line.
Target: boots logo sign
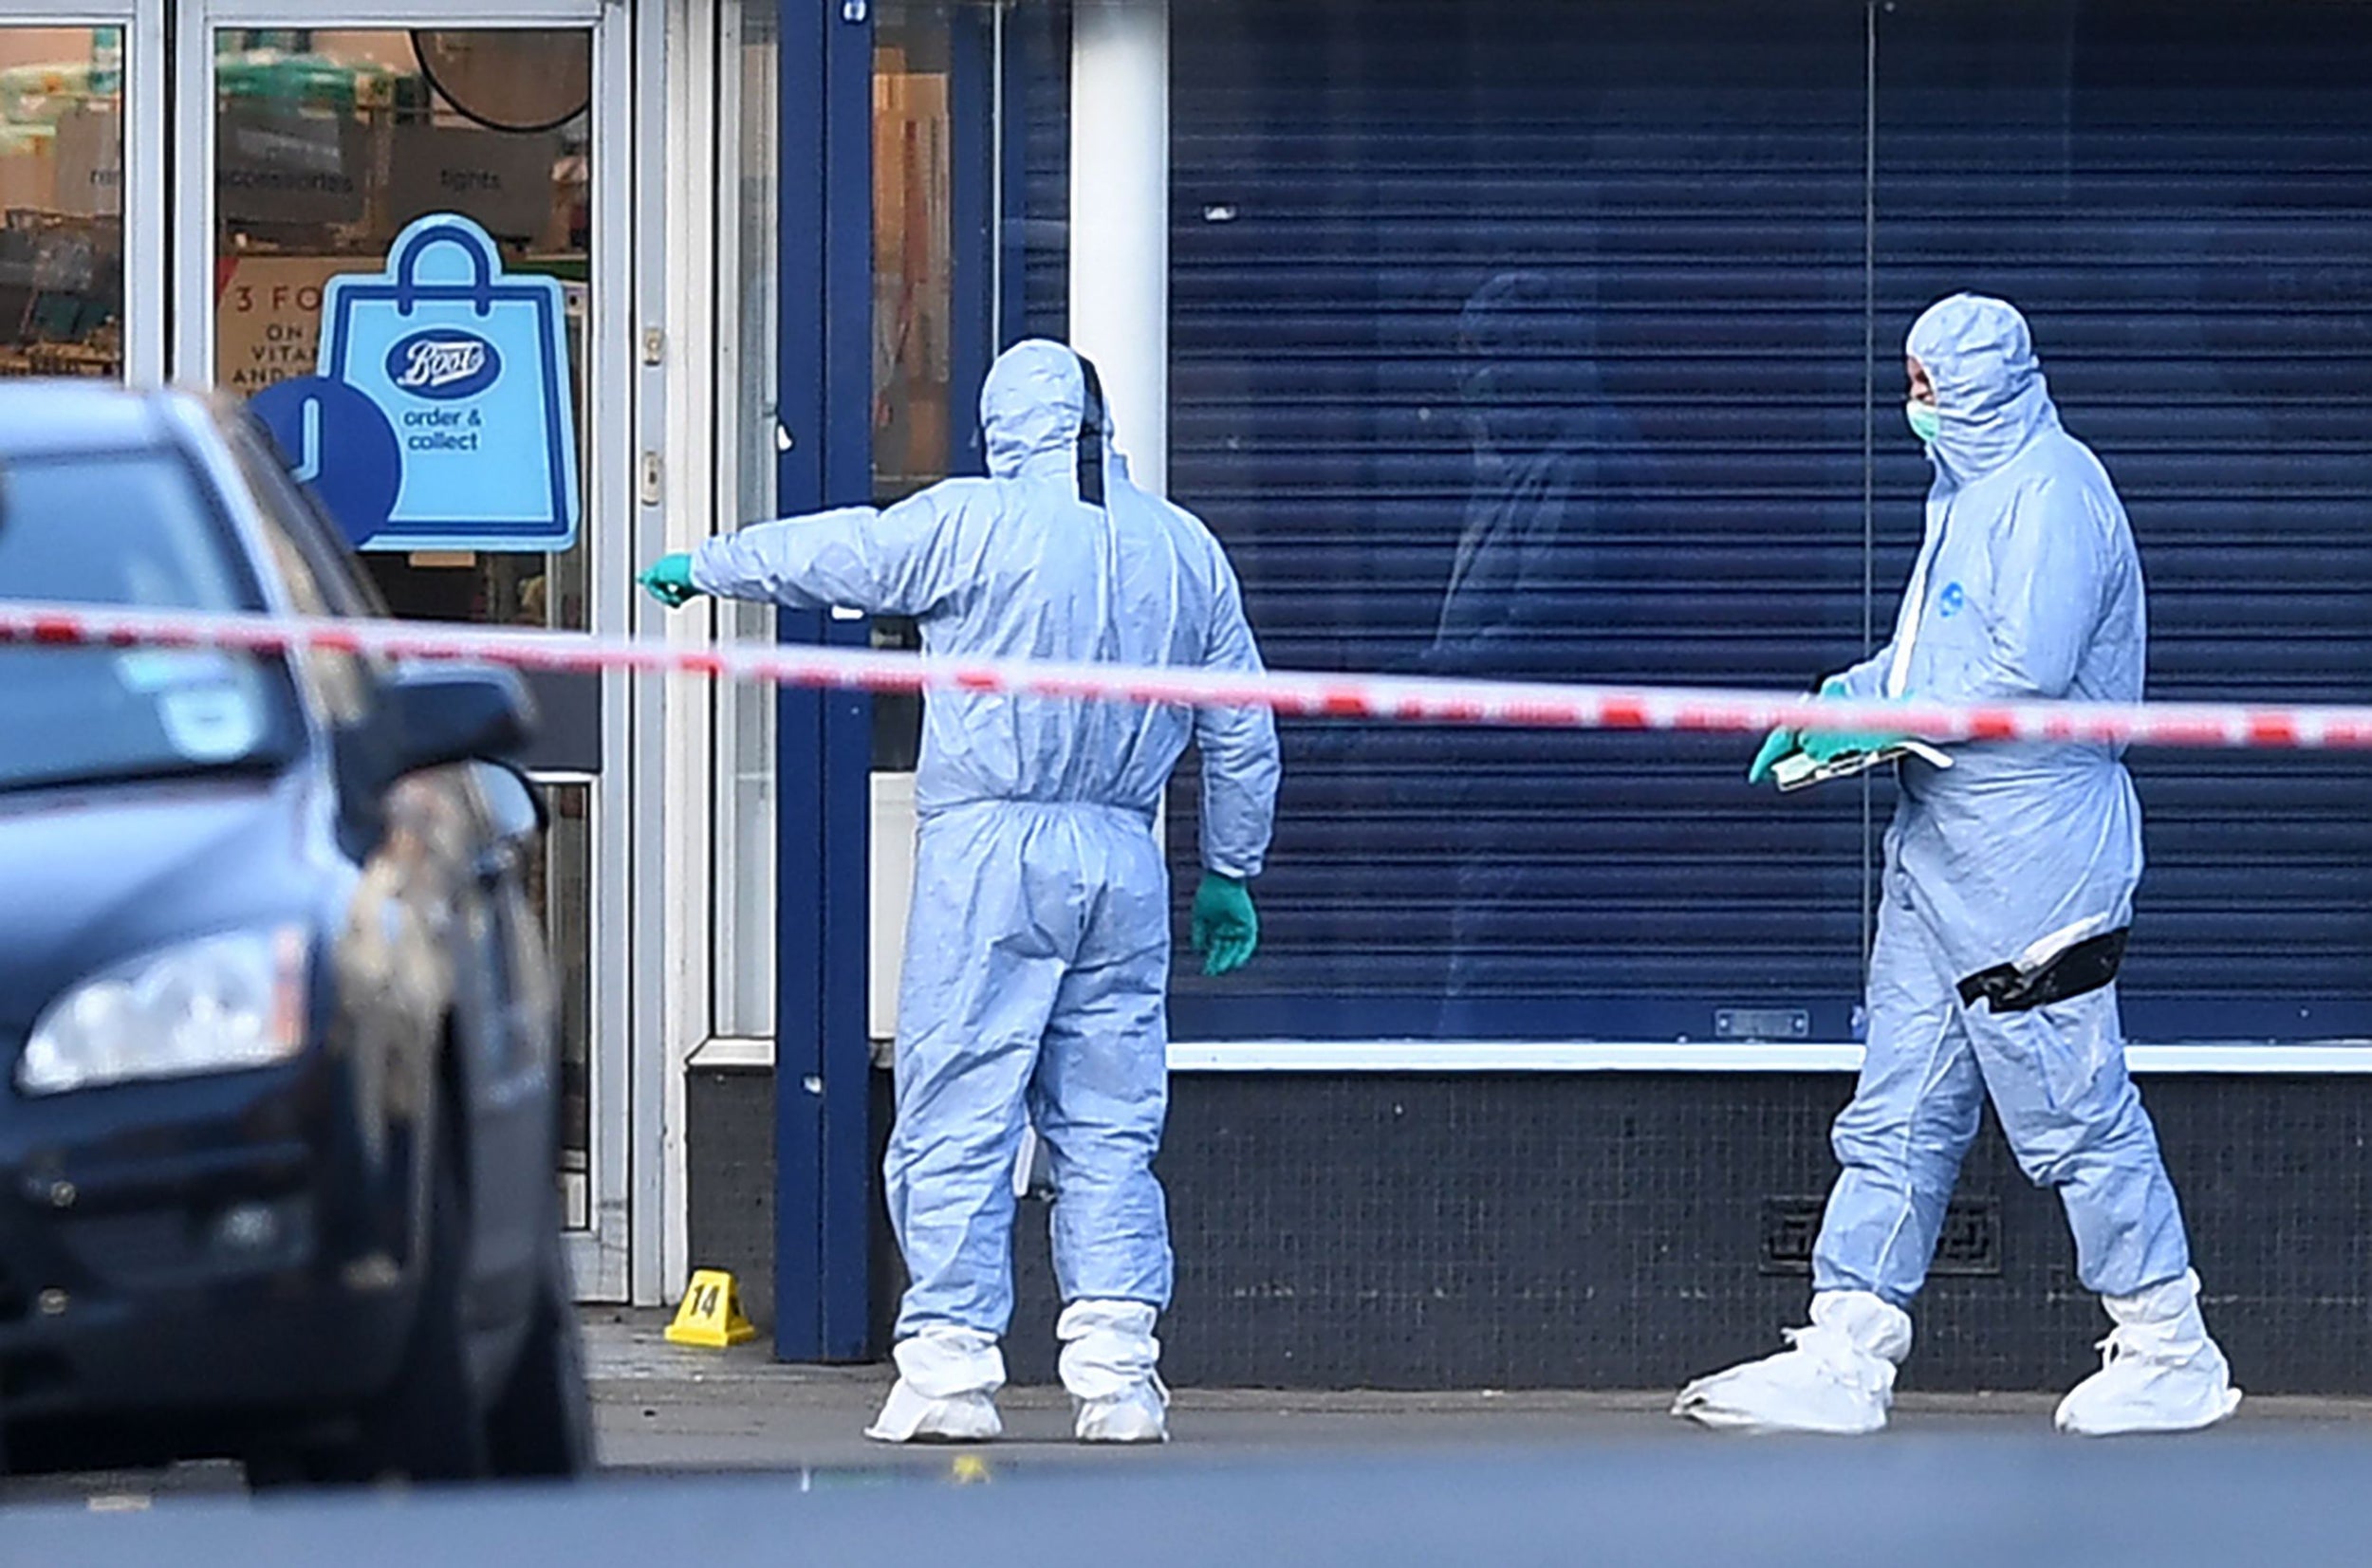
443	366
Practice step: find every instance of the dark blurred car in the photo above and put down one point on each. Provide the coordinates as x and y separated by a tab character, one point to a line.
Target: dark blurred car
278	1089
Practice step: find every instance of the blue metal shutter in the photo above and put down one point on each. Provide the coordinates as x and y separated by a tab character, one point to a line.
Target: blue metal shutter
2176	196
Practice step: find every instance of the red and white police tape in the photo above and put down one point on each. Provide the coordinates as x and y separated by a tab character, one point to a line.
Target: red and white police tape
1410	700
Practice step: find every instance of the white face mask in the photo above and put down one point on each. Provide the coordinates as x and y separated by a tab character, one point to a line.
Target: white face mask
1926	420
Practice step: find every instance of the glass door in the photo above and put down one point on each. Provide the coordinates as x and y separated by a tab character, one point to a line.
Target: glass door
417	234
82	278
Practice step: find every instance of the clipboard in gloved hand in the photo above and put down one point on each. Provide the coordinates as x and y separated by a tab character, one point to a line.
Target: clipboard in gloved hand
1800	771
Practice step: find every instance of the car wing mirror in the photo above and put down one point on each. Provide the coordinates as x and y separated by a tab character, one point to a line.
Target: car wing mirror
514	802
438	714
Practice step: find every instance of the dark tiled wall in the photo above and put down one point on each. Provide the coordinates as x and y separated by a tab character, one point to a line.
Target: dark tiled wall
1627	1230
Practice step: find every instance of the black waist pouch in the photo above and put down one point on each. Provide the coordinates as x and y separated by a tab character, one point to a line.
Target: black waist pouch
2085	967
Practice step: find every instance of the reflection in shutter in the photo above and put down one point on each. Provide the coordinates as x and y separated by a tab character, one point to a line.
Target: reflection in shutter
1526	341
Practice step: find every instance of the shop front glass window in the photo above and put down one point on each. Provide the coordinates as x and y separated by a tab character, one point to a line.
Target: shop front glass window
60	201
919	431
328	142
923	424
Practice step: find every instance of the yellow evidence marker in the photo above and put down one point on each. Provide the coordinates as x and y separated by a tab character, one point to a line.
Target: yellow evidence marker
710	1314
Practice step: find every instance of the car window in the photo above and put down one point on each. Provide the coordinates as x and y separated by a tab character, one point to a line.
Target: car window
296	516
135	529
318	578
305	593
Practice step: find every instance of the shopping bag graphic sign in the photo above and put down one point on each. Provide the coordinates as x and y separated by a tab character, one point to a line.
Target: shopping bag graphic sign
469	367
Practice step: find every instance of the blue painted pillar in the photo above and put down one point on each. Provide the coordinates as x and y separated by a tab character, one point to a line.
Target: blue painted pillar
823	1178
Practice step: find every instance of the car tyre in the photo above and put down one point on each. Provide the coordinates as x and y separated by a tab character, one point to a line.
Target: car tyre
541	1424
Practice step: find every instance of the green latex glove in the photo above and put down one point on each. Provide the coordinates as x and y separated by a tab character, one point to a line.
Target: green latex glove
1827	748
1781	744
1227	929
669	580
1777	747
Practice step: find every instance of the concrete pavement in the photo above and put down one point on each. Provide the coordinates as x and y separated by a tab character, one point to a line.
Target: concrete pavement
665	1410
661	1407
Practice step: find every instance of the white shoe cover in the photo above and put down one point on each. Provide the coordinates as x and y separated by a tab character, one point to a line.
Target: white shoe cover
2159	1372
1142	1415
1837	1377
1108	1358
947	1383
